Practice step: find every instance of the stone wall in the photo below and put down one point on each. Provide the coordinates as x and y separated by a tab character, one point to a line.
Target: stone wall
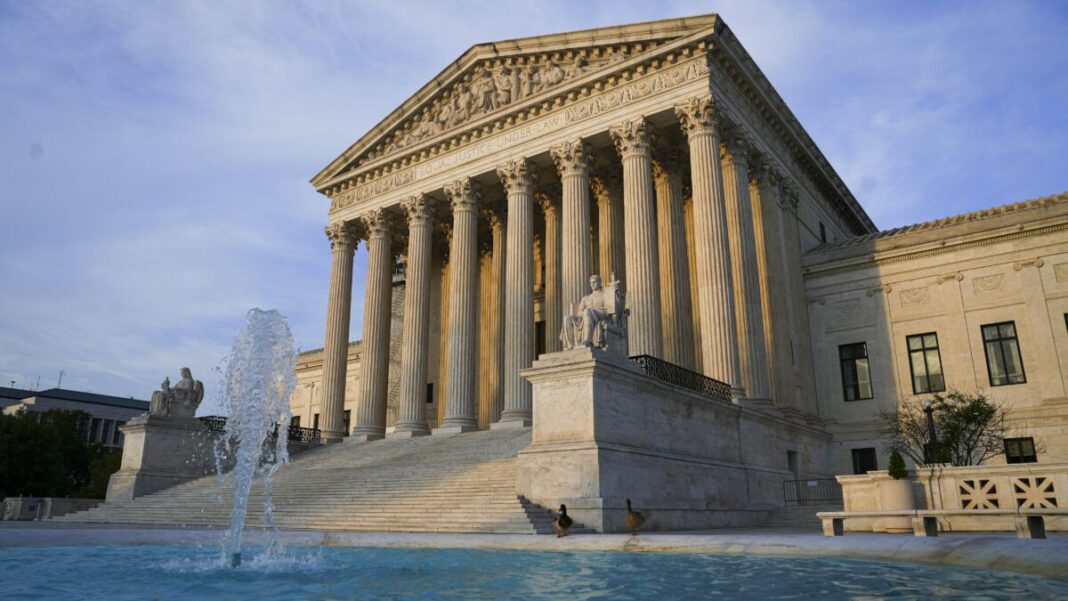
604	432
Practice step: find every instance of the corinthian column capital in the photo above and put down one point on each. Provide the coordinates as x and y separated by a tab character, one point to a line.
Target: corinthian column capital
419	208
342	234
735	150
697	116
377	223
633	136
550	206
495	216
572	157
517	176
463	194
764	173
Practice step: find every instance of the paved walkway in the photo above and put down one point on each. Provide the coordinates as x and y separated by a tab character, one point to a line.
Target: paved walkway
1001	551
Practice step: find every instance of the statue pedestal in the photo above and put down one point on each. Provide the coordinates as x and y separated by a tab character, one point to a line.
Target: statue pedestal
160	452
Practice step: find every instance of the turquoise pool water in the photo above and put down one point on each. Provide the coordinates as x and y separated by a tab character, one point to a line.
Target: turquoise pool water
183	572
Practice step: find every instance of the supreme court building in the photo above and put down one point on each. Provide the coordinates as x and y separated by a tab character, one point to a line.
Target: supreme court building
659	155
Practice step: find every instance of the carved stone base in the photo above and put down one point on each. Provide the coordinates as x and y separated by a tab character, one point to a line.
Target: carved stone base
365	437
407	433
512	424
449	430
161	452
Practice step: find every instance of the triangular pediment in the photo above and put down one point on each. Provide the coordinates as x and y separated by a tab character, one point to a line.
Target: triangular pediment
497	77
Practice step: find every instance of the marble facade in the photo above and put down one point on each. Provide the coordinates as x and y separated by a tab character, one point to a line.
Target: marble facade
660	154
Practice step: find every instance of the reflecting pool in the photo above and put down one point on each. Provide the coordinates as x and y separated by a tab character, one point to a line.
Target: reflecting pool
186	572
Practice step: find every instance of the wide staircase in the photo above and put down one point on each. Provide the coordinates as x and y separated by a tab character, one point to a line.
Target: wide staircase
461	483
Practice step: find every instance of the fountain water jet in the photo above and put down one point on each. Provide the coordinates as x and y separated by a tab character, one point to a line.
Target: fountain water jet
258	380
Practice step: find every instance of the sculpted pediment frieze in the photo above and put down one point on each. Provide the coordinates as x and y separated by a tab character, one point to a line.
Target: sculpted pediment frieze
491	86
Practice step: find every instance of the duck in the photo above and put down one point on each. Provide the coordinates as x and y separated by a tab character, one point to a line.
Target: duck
562	523
635	519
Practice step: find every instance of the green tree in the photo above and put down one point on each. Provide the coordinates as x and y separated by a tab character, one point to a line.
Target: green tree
896	469
969	428
45	454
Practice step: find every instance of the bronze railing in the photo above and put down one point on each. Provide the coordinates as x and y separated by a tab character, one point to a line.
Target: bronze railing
217	423
680	376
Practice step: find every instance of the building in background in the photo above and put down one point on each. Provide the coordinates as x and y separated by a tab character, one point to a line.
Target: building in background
106	412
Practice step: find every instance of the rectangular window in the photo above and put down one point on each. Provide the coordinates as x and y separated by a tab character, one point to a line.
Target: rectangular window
823	233
429	393
294	421
1020	450
1003	362
116	437
315	421
94	429
856	377
925	362
345	418
864	461
105	431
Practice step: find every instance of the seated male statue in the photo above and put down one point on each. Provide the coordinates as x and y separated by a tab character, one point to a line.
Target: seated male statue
180	401
596	313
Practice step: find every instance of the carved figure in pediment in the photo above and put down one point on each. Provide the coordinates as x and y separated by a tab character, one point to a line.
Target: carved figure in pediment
485	93
576	68
462	107
552	75
502	79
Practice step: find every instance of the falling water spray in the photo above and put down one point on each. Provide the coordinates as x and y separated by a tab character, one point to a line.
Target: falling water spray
259	379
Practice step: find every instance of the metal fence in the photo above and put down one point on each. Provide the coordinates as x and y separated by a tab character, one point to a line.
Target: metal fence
217	423
680	376
805	492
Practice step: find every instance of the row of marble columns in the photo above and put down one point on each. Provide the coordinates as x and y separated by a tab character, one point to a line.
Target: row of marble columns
691	274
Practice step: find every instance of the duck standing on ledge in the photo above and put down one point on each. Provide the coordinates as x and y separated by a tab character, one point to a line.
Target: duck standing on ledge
562	523
635	519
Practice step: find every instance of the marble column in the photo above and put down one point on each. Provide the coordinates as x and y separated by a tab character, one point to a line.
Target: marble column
749	314
677	314
711	248
342	236
608	191
373	386
491	351
797	303
517	177
642	288
572	161
461	414
552	306
443	328
695	303
415	334
768	237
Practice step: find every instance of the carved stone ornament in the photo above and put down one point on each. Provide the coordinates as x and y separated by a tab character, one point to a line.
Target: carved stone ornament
697	116
516	176
633	136
572	157
1060	272
463	194
419	208
180	401
496	216
1036	262
599	320
492	86
377	223
550	206
988	283
847	308
915	296
342	234
606	187
734	150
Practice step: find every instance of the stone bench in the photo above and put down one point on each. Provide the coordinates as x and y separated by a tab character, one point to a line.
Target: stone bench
1030	523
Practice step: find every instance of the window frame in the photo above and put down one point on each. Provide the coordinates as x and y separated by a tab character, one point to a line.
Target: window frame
1000	345
874	457
856	384
924	350
1020	456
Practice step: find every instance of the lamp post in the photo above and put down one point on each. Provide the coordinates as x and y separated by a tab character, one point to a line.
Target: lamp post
932	438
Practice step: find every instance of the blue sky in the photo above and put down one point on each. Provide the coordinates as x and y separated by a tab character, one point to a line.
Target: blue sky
154	155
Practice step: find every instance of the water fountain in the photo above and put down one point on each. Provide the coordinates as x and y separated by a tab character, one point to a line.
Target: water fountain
258	380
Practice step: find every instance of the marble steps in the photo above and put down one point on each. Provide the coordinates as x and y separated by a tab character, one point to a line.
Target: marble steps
463	483
799	516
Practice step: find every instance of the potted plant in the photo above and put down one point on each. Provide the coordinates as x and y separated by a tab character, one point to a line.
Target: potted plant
895	494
